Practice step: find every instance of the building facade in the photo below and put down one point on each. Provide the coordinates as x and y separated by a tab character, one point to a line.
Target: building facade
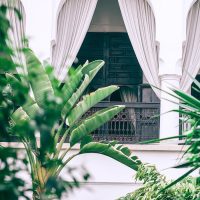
144	42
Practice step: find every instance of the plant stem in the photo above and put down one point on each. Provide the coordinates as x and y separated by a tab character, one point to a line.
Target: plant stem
61	144
64	153
63	165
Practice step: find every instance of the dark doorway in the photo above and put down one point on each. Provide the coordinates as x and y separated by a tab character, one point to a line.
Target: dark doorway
121	68
121	65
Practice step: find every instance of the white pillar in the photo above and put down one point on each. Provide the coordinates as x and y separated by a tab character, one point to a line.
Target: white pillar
170	33
169	121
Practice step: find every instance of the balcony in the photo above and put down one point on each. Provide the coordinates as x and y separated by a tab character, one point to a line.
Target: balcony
137	122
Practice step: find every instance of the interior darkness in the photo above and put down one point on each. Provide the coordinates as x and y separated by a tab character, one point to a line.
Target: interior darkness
121	65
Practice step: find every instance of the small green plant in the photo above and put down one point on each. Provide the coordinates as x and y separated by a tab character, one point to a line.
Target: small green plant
154	185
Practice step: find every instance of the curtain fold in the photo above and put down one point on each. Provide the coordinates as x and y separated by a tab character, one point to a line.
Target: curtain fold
191	48
129	95
140	25
17	32
73	22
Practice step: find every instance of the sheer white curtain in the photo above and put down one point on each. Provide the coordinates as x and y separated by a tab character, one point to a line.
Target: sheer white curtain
73	22
17	31
140	25
191	52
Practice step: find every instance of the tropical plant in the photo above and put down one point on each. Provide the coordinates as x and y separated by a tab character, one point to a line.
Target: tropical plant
183	188
189	109
43	113
62	118
154	184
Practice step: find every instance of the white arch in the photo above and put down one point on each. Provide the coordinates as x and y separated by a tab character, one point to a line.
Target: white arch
61	4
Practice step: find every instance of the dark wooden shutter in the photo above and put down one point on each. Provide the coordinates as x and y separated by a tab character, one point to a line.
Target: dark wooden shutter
121	68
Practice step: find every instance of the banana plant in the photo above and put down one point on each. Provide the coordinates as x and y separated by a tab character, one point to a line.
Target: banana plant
55	111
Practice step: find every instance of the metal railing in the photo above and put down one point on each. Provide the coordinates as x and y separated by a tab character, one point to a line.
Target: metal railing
137	122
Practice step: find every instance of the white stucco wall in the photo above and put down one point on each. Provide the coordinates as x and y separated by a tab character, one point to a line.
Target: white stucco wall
39	17
110	179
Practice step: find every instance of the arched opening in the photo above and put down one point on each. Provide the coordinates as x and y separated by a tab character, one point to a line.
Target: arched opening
107	39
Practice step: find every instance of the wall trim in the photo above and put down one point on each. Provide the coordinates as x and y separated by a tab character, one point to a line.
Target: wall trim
160	147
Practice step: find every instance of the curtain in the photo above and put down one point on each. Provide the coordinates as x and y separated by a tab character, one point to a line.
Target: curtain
129	95
17	32
72	25
140	25
191	52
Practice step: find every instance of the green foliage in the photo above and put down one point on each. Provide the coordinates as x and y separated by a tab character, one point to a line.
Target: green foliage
55	113
44	120
189	109
156	187
12	186
117	152
154	183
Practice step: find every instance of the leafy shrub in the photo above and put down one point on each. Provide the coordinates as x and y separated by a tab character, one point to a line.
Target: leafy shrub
155	184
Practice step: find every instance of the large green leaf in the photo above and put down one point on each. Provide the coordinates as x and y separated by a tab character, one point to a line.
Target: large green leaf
187	113
72	94
19	115
74	81
92	123
112	152
89	101
71	85
39	80
179	179
184	165
30	107
188	99
12	79
75	96
17	118
92	68
163	139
